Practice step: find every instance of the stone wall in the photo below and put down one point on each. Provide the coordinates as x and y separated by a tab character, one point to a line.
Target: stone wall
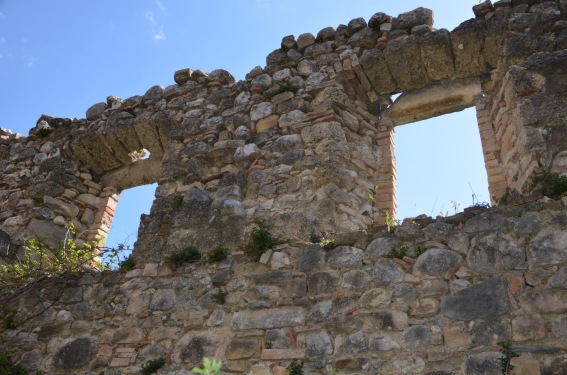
466	283
297	145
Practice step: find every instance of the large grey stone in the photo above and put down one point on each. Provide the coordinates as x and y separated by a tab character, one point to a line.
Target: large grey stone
261	110
75	354
439	231
496	252
193	346
403	58
549	247
483	364
95	111
265	319
381	246
345	256
311	258
272	277
486	221
321	311
416	336
194	209
437	54
355	343
163	299
436	262
487	300
382	342
559	279
419	16
323	282
51	233
490	332
555	365
356	279
377	71
386	272
318	344
49	188
467	41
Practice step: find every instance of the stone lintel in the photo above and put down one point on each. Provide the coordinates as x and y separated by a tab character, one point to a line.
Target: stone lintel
432	101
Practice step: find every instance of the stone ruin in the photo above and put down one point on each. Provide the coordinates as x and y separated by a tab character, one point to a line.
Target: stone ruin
297	145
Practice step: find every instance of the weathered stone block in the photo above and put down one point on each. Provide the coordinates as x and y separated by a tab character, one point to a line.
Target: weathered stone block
387	271
548	248
318	344
526	328
345	256
323	282
75	354
266	319
239	348
436	262
403	58
467	41
377	71
486	300
496	252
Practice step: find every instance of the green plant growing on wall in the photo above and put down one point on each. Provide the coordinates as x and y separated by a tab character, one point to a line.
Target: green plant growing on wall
373	212
209	367
128	264
550	184
396	253
152	366
506	358
219	298
190	254
260	241
7	366
295	367
41	260
218	254
330	370
284	86
176	203
391	221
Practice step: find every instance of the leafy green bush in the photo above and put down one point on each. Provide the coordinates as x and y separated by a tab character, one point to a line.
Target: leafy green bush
261	240
128	264
42	260
216	255
551	184
7	367
152	366
189	254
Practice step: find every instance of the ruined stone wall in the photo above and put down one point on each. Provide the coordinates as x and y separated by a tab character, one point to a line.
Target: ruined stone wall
296	145
466	283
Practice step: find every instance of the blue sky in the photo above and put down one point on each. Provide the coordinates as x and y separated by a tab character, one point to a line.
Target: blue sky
60	57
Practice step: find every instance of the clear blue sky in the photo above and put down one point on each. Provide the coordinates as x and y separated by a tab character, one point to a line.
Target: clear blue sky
60	57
